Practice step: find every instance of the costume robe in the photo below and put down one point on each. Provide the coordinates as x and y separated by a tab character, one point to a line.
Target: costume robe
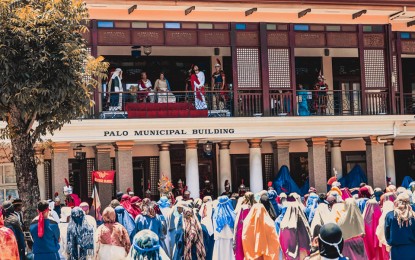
402	239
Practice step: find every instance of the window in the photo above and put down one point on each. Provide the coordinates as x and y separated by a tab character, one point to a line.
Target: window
172	25
271	26
8	186
405	35
301	27
240	26
205	26
139	25
333	28
105	24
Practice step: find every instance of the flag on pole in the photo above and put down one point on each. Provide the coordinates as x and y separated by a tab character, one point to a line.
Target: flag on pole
96	204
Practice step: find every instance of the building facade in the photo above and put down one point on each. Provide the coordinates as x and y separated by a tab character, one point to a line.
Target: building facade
363	52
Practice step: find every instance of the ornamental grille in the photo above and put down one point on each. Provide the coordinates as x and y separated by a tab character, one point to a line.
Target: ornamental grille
374	68
268	168
154	175
90	166
279	68
48	178
248	68
394	74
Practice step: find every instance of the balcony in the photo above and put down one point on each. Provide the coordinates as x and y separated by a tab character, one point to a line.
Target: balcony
249	103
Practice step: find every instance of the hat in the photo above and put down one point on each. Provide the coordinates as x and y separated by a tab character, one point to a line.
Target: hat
330	241
57	199
180	181
130	192
17	202
217	65
135	199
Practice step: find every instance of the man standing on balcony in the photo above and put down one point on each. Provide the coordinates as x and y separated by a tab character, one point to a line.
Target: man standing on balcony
114	91
218	85
199	88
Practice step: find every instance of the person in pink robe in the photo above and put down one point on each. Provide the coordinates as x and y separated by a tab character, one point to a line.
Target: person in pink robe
247	203
371	216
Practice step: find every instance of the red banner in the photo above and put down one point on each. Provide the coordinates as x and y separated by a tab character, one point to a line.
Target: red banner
103	176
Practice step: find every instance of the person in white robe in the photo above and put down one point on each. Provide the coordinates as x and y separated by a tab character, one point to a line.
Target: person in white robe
223	224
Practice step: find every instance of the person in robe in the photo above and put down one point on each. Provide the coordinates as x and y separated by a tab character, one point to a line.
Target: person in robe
114	91
174	222
148	219
63	228
330	244
272	196
207	190
400	229
197	80
130	192
311	206
146	245
247	203
322	216
364	196
314	242
295	231
52	212
8	242
18	211
380	229
90	219
11	221
227	191
146	92
302	95
186	194
126	220
190	243
126	204
218	86
371	218
353	228
259	237
162	87
165	209
58	205
80	237
71	199
388	195
264	200
205	214
223	224
45	234
113	242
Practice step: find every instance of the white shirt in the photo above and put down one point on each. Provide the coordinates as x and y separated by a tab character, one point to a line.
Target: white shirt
147	84
201	77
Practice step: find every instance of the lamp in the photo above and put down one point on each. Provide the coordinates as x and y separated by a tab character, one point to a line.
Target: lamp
147	50
78	153
207	148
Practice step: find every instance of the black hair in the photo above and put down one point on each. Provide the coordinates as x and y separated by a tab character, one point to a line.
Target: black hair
42	205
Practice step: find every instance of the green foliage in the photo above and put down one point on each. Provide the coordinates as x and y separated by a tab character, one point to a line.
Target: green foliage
47	75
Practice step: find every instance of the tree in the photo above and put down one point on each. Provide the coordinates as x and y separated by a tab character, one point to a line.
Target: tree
47	78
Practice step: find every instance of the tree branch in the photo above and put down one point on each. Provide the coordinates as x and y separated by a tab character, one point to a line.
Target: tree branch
32	121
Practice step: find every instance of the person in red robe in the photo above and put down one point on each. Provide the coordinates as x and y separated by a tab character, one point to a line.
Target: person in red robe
71	200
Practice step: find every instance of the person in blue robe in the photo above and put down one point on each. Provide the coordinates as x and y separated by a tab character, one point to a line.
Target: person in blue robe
126	220
279	219
311	206
406	181
302	95
146	245
148	219
45	234
284	183
80	236
400	229
354	178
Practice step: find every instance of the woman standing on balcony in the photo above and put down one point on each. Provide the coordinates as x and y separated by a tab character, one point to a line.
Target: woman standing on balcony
302	101
162	87
197	79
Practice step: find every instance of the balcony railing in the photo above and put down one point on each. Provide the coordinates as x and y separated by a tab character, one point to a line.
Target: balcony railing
406	104
246	103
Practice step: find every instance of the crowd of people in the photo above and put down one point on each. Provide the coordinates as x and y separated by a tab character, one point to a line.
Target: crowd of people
372	224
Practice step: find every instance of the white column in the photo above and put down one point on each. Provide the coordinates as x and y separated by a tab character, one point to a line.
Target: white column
164	157
224	165
255	165
336	158
192	168
41	172
317	163
390	161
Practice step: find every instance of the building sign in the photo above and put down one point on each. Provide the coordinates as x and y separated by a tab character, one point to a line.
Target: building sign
171	132
103	176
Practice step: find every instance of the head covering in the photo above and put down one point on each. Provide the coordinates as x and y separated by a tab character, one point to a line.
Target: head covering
377	193
283	182
84	206
351	221
126	220
164	202
146	245
147	208
371	217
192	236
42	206
119	195
135	199
126	203
403	211
322	216
264	199
114	204
80	236
295	230
312	190
108	216
330	241
67	190
224	214
311	206
380	230
391	188
259	236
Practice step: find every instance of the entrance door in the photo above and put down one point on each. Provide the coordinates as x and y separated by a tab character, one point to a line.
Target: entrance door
139	176
78	178
347	97
240	170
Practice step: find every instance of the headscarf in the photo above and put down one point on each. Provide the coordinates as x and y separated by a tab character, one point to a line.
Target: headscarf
80	235
330	241
403	211
351	221
377	193
224	214
346	193
126	220
147	208
272	196
268	206
146	245
134	200
371	218
259	237
296	232
312	203
163	202
112	233
322	216
380	230
126	203
192	236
